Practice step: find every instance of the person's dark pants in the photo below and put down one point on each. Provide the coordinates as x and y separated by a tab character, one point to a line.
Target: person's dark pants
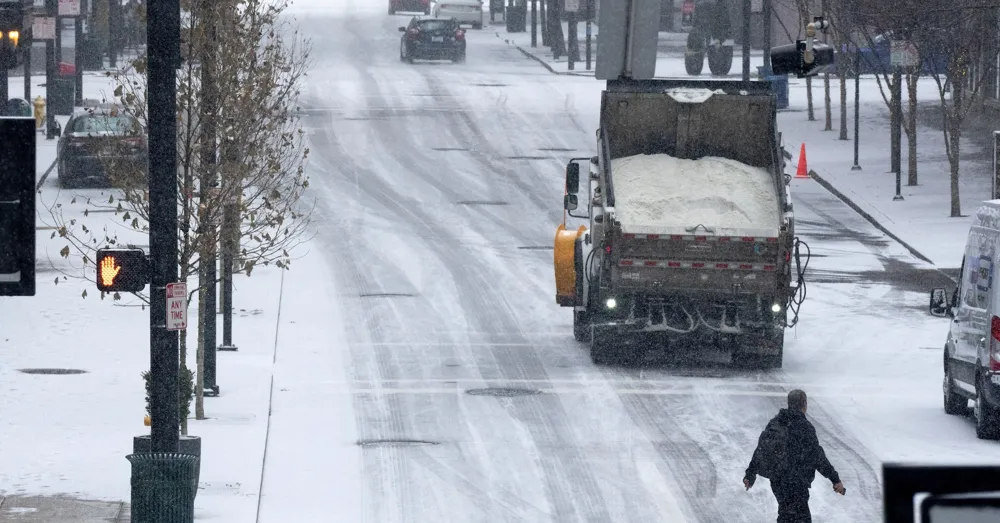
793	502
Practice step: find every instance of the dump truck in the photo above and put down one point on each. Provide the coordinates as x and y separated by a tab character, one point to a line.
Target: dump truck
689	237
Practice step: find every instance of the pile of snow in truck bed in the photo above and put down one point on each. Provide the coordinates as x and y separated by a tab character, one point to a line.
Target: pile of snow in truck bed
658	192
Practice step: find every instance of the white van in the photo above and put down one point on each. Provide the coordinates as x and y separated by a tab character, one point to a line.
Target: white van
972	350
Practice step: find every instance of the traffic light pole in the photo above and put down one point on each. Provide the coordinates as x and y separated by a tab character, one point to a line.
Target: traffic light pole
163	51
208	230
27	64
78	55
4	81
51	8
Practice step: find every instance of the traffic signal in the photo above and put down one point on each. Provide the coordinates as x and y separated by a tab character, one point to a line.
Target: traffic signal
11	29
122	270
17	206
794	59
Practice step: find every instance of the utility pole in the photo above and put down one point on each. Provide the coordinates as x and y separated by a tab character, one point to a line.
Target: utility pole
51	8
114	30
747	9
590	38
543	20
29	43
534	23
77	55
857	107
897	129
230	240
164	53
4	81
765	12
573	44
208	188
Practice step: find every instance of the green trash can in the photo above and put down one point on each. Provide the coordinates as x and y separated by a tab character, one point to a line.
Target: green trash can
163	487
18	107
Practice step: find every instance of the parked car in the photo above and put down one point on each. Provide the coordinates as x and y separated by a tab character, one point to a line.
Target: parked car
972	348
96	139
465	11
410	6
432	38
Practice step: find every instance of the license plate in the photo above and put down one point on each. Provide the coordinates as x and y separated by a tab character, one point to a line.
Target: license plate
437	39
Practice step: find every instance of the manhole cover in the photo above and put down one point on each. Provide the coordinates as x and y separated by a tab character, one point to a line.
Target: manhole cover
482	202
447	149
385	295
503	392
52	371
527	157
536	247
367	443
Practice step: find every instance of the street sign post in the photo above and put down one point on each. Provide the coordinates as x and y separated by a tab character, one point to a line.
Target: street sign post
996	165
176	306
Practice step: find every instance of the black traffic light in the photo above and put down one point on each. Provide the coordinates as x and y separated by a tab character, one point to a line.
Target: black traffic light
122	270
11	30
791	59
17	206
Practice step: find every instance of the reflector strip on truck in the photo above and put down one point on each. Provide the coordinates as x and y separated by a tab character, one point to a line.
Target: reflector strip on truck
670	264
747	239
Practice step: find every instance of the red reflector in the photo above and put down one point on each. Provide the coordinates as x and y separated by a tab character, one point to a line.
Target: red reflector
772	240
748	238
746	266
652	236
673	264
995	328
769	267
699	238
629	236
607	249
676	237
625	262
724	238
650	264
788	256
697	265
721	265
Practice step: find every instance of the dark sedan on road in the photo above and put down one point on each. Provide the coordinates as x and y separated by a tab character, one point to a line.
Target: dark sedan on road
432	39
410	6
96	141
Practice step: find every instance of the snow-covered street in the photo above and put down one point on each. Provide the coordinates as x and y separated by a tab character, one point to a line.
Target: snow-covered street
413	365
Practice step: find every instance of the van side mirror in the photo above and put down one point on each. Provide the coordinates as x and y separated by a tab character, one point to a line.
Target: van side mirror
939	305
573	178
570	202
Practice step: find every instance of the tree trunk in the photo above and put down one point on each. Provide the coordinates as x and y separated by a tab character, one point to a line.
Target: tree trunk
842	73
911	129
826	102
809	99
955	136
199	382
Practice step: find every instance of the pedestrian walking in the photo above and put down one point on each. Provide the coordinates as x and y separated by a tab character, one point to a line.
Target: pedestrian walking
788	453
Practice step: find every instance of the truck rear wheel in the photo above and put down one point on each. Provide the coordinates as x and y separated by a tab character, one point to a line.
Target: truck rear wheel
753	358
606	348
581	326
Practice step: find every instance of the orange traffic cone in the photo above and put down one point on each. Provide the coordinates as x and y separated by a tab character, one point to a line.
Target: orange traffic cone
803	171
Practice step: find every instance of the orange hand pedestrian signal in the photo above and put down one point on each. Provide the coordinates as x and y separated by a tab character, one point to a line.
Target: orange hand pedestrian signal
122	270
109	271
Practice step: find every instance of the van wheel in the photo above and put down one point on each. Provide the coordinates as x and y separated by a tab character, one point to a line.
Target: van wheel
986	415
954	404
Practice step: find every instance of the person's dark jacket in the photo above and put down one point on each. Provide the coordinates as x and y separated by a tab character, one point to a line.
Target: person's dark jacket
805	454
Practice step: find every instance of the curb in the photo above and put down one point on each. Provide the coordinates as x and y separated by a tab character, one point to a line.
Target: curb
868	217
542	61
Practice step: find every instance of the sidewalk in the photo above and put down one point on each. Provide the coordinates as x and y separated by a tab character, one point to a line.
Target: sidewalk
66	431
921	221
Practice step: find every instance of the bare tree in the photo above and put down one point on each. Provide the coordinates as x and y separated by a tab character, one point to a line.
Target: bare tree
958	32
260	70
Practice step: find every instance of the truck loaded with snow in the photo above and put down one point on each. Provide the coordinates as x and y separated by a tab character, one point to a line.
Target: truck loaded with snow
691	239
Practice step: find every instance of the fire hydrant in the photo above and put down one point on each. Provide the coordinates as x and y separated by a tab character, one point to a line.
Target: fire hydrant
39	111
